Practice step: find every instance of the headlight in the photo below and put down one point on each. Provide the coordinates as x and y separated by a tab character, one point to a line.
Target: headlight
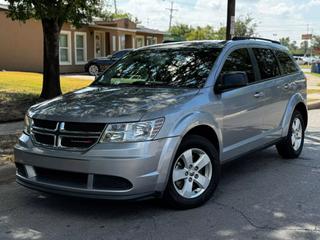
132	132
27	124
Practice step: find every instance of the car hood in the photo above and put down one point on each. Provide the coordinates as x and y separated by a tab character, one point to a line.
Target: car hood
106	104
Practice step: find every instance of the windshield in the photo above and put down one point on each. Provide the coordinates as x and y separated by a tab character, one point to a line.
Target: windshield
178	68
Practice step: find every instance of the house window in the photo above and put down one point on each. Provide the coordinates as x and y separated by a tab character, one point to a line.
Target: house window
80	45
152	40
114	43
122	42
65	48
140	41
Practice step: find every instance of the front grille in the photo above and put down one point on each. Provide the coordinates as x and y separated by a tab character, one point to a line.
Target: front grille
78	180
110	182
44	138
45	124
65	135
57	177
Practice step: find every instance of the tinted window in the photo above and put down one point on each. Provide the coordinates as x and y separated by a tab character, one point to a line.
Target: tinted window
119	54
164	67
267	63
239	60
287	64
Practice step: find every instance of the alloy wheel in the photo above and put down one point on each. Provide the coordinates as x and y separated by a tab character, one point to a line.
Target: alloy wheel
192	173
296	136
93	70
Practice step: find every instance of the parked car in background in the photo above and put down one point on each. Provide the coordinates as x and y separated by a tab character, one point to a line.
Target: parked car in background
161	121
97	65
300	60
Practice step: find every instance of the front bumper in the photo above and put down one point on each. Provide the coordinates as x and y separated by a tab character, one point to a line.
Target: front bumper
124	170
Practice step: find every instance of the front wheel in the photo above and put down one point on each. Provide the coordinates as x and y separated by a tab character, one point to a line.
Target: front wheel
292	145
195	173
93	70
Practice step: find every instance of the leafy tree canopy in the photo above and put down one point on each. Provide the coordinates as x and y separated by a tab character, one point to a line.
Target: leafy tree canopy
76	12
244	27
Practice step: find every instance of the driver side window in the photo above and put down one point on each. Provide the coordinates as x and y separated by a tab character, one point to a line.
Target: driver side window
239	61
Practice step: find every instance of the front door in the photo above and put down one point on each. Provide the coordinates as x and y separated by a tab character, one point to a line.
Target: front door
99	44
242	123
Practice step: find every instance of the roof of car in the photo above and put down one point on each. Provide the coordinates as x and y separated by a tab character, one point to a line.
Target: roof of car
187	44
217	44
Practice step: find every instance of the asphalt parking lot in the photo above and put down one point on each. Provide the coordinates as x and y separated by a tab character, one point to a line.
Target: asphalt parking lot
260	196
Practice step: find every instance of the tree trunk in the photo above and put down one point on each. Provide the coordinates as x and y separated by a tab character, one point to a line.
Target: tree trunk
51	73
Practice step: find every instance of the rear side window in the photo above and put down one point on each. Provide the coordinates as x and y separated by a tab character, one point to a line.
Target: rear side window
287	64
239	60
267	63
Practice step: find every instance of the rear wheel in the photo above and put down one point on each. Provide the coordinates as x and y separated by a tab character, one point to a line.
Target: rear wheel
195	173
292	145
93	70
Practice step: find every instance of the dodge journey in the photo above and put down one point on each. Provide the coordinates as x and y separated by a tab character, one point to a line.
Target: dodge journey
162	120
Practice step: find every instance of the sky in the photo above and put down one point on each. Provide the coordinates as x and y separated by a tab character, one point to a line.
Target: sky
275	18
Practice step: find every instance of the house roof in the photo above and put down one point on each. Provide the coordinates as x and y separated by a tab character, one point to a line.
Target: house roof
149	30
136	30
4	6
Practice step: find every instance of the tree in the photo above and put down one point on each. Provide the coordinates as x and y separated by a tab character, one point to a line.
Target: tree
292	46
245	27
316	44
53	13
180	31
201	33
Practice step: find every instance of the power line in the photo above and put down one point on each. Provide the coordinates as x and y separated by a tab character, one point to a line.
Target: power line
115	7
171	9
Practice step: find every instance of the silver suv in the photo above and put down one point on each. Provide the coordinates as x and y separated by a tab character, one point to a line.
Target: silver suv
161	121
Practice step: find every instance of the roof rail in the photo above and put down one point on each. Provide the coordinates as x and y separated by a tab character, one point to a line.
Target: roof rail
255	38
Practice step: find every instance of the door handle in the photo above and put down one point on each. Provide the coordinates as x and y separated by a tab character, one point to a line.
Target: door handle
258	94
286	86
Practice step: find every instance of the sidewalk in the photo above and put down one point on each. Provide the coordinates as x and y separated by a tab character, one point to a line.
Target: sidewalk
314	87
11	128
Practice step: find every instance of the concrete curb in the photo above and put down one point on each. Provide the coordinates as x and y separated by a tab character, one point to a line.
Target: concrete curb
7	173
314	105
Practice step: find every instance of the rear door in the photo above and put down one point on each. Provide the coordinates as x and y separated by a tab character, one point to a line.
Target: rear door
242	108
270	76
290	72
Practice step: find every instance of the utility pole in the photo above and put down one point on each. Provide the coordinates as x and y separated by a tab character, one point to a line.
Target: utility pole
231	19
115	7
171	9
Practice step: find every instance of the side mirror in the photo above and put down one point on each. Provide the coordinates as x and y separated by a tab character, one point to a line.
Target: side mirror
231	80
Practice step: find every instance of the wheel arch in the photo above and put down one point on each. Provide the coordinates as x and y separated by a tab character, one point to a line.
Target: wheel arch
207	132
201	129
297	102
301	107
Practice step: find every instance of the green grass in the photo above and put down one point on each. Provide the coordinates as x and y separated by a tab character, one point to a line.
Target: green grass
31	83
20	90
315	74
312	91
305	66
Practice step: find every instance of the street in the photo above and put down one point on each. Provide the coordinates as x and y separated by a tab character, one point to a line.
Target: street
261	196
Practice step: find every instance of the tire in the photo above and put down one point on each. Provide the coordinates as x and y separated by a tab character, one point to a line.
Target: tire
93	70
176	193
292	145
